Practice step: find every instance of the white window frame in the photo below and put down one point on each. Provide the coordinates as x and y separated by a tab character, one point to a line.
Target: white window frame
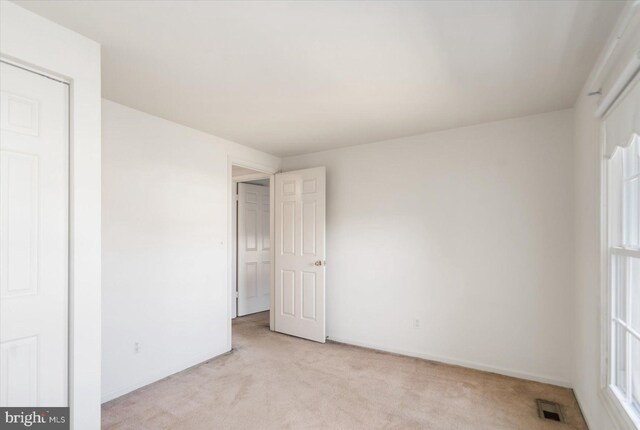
617	402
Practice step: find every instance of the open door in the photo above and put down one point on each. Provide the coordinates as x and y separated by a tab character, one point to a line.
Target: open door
254	249
300	202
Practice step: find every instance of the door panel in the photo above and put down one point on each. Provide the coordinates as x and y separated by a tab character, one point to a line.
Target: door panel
265	225
33	239
19	371
288	228
309	228
250	228
309	295
300	255
20	178
254	260
287	295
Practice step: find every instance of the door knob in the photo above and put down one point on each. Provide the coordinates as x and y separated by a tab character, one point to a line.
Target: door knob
318	263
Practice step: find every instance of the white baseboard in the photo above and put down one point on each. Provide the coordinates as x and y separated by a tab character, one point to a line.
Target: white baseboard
448	360
457	362
157	377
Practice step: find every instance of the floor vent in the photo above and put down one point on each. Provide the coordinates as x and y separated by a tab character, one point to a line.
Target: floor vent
549	410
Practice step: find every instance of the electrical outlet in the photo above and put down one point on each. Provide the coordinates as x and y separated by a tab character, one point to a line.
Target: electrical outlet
136	347
416	323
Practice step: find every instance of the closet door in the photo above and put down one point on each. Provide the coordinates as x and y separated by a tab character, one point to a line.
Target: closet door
34	238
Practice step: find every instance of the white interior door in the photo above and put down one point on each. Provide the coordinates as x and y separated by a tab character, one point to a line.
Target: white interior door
254	247
33	239
300	253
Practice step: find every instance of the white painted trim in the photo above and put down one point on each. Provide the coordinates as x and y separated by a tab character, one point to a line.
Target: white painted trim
621	418
48	48
620	85
36	70
240	162
582	409
251	177
272	216
265	172
635	253
608	53
605	316
456	362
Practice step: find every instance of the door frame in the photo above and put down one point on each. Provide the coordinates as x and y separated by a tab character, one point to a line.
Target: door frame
34	43
264	173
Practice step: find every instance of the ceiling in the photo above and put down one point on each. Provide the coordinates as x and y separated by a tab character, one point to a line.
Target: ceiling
297	77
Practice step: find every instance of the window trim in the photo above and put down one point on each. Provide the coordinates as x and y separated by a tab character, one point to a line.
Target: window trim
622	414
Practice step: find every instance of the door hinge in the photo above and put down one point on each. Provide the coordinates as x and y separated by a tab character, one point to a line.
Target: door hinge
237	295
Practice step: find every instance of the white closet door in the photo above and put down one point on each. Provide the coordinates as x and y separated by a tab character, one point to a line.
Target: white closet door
254	262
300	201
34	239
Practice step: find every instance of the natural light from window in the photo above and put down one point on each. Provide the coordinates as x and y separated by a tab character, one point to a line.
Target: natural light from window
624	234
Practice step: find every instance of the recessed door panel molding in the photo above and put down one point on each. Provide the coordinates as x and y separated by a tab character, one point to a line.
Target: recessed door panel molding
19	223
288	228
289	188
309	295
265	224
309	227
254	259
288	293
265	283
309	186
34	238
251	229
252	279
19	371
251	197
22	114
300	211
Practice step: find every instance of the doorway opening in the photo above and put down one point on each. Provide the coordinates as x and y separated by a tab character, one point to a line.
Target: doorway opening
277	248
251	243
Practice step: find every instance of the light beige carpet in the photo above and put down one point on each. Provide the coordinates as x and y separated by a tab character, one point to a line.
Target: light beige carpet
273	381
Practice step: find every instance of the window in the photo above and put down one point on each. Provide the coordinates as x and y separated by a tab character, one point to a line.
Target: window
624	275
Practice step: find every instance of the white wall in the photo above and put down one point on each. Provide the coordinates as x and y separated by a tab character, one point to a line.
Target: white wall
469	231
165	224
33	41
